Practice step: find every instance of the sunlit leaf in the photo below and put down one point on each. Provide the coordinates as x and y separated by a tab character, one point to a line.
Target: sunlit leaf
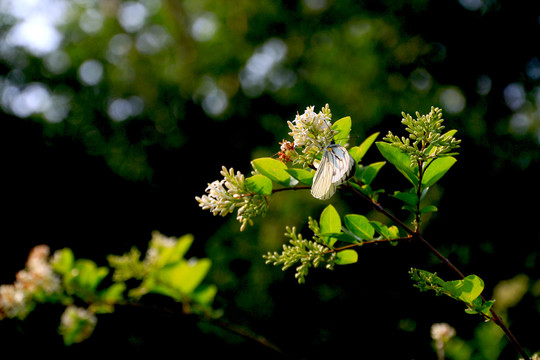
175	253
346	257
466	289
302	175
330	222
259	184
181	278
360	226
386	232
343	126
436	170
358	152
205	294
274	169
63	261
400	160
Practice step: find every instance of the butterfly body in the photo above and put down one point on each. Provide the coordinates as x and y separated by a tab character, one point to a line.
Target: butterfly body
336	167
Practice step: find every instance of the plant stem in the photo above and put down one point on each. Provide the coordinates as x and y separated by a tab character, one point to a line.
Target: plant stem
366	243
419	195
416	235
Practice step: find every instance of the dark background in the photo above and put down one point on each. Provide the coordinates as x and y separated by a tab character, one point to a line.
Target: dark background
100	186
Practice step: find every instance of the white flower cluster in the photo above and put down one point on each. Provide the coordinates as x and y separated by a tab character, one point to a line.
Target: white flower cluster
36	280
223	196
312	130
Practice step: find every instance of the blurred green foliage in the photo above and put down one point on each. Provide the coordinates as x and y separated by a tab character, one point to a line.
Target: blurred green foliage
117	113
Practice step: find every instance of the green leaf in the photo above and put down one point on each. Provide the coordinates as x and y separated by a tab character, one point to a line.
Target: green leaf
389	233
259	184
113	294
169	255
360	226
436	170
344	236
400	160
180	279
408	198
466	289
330	222
273	169
84	277
367	174
343	126
449	134
358	152
429	208
302	175
63	261
205	294
346	257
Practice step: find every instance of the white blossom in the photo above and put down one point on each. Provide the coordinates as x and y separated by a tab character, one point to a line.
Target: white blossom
34	281
224	196
312	130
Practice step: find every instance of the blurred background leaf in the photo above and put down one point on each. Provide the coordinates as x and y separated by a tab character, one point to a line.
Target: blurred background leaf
116	114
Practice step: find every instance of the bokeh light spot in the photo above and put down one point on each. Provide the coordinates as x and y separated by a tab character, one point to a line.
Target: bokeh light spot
91	72
204	27
514	95
132	16
452	100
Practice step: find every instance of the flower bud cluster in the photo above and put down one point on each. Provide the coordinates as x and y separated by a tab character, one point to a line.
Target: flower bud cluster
426	140
224	196
309	253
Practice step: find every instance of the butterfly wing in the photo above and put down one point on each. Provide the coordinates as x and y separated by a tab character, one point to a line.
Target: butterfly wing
336	166
343	164
322	187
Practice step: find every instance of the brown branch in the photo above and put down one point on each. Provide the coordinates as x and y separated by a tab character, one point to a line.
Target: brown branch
416	235
366	243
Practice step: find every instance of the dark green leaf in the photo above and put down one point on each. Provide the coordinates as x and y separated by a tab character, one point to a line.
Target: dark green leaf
429	208
366	174
408	198
259	184
400	160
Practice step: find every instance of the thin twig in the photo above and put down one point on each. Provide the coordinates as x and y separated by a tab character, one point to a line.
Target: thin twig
367	242
416	235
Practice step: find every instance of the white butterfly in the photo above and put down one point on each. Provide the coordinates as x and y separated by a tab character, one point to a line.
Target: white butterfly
336	166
